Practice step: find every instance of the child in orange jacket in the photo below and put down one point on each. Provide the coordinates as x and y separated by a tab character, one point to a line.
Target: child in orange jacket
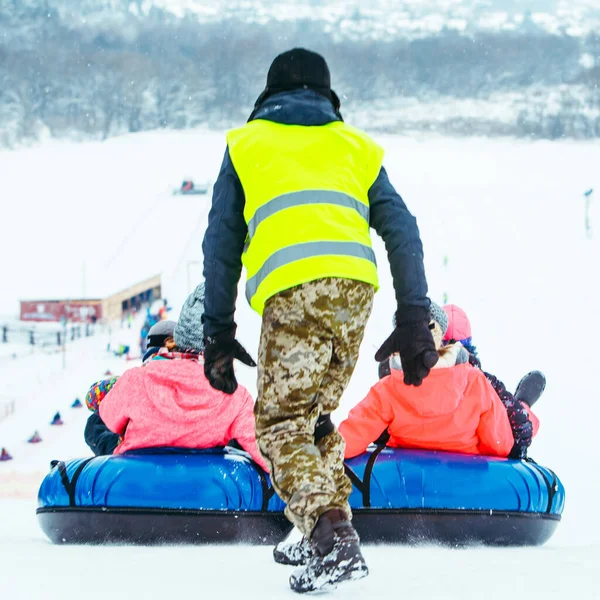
455	408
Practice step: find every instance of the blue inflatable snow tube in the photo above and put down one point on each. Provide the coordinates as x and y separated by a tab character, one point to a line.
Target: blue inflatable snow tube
208	496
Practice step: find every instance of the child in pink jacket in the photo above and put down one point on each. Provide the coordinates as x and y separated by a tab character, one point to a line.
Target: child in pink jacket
169	402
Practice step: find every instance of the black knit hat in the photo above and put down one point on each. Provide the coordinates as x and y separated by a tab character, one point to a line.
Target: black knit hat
299	68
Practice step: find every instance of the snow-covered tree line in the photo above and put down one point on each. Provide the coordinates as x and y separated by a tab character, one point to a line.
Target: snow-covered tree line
66	78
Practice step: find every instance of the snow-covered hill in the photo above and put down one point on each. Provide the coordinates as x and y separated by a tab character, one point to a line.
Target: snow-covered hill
350	18
93	218
389	18
100	68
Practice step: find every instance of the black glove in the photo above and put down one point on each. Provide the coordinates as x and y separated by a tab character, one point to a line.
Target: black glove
413	340
219	352
323	427
385	368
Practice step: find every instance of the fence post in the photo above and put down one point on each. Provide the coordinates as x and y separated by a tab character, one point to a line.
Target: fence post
588	223
4	334
7	409
58	337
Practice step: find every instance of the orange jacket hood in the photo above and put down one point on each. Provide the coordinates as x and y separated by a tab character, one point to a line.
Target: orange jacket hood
454	409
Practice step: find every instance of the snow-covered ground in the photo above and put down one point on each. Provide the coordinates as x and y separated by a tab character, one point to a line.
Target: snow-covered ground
503	228
93	218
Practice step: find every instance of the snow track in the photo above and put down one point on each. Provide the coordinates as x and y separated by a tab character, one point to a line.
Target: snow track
503	231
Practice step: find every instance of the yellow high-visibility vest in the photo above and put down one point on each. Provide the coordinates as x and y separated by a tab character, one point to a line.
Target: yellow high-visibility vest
307	206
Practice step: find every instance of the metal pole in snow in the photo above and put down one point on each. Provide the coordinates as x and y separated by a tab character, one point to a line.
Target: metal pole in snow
83	280
446	269
64	342
588	202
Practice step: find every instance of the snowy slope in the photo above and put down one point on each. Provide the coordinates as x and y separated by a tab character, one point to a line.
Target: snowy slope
502	225
93	219
39	385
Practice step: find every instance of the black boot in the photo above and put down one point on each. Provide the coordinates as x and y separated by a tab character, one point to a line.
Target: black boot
336	555
296	553
531	387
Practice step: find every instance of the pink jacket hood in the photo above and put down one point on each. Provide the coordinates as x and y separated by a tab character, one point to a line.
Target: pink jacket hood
171	403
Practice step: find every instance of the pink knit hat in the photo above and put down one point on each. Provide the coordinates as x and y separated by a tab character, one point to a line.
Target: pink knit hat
459	327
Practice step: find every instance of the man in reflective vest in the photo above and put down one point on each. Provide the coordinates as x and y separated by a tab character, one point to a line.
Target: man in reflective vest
294	202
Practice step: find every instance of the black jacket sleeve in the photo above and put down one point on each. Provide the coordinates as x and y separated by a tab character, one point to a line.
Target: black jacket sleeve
223	246
393	222
99	437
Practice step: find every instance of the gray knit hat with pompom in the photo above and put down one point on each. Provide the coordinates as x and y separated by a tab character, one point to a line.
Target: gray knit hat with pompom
438	314
189	333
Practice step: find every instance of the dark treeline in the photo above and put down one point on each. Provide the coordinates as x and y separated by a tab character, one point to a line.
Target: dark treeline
164	72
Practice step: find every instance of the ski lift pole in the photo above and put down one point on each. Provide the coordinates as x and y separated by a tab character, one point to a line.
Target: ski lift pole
588	224
63	321
445	263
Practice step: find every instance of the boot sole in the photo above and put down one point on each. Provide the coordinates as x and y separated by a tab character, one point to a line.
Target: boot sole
533	385
359	571
355	575
282	559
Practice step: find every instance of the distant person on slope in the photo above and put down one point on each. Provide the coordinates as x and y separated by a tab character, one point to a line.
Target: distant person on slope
187	186
295	199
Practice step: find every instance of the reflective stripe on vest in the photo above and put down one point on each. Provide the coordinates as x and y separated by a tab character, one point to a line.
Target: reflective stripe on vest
309	249
305	197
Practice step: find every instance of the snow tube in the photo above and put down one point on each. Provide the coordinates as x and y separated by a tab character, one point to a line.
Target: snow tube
209	496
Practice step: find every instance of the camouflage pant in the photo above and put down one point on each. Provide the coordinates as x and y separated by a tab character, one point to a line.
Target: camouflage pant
309	346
